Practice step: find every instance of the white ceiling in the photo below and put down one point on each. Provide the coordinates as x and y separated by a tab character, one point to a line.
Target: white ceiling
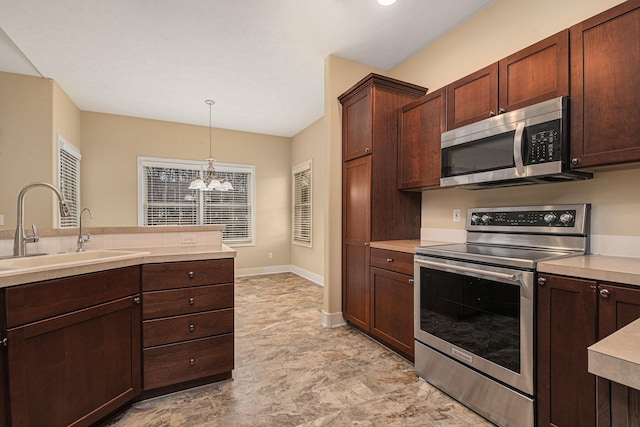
262	61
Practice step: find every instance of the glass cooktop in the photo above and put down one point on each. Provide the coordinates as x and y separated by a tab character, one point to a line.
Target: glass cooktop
495	254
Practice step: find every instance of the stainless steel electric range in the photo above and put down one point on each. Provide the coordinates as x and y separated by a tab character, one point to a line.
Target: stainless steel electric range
474	305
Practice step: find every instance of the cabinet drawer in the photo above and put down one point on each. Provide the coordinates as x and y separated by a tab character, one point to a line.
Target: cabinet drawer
172	275
187	300
37	301
400	262
176	363
187	327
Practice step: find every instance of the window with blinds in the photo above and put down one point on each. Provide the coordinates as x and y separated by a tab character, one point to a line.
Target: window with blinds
69	181
302	207
165	199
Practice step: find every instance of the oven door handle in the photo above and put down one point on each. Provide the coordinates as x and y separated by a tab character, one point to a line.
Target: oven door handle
458	268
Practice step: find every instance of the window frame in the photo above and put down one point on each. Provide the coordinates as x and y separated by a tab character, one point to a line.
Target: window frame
295	170
72	200
199	167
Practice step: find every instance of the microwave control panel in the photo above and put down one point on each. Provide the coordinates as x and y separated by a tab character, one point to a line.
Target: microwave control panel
544	143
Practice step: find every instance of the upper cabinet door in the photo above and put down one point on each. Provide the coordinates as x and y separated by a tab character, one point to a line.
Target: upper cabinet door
420	125
535	74
357	137
605	83
473	98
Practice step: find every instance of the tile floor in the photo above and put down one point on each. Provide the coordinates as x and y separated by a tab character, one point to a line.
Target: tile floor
290	371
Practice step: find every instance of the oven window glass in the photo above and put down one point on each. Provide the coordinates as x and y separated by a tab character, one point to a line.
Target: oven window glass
478	315
494	152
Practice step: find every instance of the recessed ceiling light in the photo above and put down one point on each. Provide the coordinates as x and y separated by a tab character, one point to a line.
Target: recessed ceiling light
386	2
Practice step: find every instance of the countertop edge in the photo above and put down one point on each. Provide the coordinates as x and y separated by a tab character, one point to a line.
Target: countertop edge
143	256
617	356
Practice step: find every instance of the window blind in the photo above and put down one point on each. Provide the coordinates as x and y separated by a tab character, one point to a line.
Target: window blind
302	204
165	199
69	181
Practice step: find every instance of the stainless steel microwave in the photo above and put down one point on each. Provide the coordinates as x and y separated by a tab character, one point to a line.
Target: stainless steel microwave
525	146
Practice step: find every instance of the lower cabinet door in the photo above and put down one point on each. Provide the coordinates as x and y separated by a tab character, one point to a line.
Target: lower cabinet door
190	360
392	309
74	369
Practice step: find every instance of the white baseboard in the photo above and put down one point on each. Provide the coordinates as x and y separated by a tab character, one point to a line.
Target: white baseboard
332	320
258	271
315	278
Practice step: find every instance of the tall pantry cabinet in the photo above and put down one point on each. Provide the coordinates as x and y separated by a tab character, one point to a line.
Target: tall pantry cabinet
373	208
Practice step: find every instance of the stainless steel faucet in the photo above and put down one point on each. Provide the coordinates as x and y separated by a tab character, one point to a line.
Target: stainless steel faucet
83	239
21	239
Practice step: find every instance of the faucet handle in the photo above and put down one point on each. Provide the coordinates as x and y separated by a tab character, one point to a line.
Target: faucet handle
35	237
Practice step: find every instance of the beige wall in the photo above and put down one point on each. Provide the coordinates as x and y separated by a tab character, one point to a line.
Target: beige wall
111	145
504	27
26	116
309	145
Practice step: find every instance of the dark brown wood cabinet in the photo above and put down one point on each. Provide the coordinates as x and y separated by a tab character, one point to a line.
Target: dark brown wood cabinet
391	279
534	74
188	323
605	77
572	315
372	206
421	124
73	353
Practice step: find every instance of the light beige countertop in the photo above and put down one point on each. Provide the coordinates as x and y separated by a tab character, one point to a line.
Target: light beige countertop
34	269
408	246
596	267
617	357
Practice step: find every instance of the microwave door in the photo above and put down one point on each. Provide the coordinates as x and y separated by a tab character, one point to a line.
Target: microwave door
484	156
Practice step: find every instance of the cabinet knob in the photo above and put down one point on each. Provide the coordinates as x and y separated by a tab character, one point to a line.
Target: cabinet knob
367	150
411	281
366	243
192	361
192	301
491	113
604	293
192	327
389	259
136	300
192	275
502	111
542	281
575	161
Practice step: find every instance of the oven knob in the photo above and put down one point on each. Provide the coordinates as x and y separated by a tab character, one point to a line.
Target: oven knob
549	218
475	218
566	218
486	219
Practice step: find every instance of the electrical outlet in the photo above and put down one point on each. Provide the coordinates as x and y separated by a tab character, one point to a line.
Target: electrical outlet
456	215
270	255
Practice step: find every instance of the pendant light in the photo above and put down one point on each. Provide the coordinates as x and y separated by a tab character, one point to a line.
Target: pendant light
210	182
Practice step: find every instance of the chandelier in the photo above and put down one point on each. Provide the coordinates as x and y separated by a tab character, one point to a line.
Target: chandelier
210	182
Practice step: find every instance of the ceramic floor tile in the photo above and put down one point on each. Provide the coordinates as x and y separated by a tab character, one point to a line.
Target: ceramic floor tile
291	371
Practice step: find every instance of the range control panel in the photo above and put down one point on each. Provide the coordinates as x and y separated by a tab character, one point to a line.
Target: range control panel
547	219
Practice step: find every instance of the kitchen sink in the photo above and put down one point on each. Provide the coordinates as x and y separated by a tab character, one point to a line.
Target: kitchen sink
65	259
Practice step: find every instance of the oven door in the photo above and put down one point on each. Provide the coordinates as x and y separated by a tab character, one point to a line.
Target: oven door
479	315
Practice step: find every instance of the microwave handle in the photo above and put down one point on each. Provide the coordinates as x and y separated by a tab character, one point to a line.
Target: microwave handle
517	148
458	268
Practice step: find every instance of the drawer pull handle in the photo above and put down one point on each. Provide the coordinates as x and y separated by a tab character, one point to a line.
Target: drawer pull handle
192	301
136	300
192	361
389	259
192	327
192	275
